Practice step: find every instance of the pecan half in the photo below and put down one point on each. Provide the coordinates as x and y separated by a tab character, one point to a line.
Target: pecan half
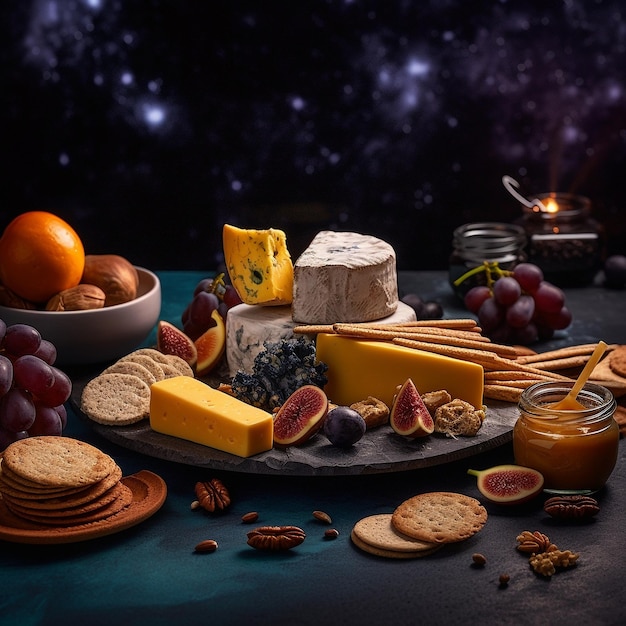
212	495
571	507
276	537
534	543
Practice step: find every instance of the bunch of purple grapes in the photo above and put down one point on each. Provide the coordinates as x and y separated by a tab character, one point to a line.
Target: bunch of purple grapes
519	308
210	294
32	390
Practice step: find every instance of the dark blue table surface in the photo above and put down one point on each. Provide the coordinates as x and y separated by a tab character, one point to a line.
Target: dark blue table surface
150	574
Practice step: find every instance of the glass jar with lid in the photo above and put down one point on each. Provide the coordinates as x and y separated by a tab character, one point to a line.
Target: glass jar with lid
484	242
575	450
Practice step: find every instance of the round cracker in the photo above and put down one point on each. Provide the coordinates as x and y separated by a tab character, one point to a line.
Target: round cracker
390	554
116	399
155	355
147	361
180	365
617	361
58	461
85	495
378	531
439	517
135	369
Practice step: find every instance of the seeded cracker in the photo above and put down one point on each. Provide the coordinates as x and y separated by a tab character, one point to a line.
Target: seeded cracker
116	399
439	517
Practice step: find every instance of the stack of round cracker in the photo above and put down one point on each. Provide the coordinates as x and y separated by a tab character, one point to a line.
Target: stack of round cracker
60	481
420	525
120	395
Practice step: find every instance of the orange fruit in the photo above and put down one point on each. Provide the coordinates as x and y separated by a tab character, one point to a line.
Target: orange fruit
40	255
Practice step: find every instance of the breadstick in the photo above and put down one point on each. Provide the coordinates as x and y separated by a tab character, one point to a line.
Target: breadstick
445	339
499	375
560	353
314	329
506	394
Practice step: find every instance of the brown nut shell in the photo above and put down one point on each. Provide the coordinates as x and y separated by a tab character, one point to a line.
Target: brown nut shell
114	274
83	297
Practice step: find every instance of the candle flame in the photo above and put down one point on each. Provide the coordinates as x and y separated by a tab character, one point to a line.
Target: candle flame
551	206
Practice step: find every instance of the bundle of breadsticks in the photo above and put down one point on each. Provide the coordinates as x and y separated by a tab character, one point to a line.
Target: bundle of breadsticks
508	369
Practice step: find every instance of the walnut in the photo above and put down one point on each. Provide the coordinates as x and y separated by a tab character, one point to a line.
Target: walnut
458	418
374	411
212	495
534	543
434	399
572	507
11	299
276	538
545	563
79	298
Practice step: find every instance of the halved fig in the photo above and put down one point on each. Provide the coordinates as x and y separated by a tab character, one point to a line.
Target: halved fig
508	484
409	416
300	417
211	345
171	340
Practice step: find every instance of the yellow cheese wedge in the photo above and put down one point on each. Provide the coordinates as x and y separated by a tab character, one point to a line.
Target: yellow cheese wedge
187	408
358	369
259	265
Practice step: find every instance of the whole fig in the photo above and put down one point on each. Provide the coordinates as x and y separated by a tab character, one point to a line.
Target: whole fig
344	426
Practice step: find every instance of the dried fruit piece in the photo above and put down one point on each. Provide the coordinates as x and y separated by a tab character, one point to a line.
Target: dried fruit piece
344	426
300	417
171	340
508	484
210	346
409	415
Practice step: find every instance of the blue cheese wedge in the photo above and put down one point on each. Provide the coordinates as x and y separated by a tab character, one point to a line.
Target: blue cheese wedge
345	277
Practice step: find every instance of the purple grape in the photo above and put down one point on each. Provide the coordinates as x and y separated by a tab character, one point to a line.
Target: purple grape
529	276
6	375
33	374
47	352
62	411
475	297
206	284
17	410
549	298
47	422
231	297
521	312
21	339
8	437
3	330
60	390
506	290
490	315
201	308
527	335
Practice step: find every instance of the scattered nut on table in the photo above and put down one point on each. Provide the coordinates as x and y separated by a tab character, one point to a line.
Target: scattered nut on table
212	495
276	538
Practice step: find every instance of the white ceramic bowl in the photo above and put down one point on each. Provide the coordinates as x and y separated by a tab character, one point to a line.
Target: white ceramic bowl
97	335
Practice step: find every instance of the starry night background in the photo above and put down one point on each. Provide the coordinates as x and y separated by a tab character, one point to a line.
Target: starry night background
147	124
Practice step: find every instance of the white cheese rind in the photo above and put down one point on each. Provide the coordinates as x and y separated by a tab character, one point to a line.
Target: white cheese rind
344	277
249	326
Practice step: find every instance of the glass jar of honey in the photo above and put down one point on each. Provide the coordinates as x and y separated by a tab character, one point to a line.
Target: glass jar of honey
575	450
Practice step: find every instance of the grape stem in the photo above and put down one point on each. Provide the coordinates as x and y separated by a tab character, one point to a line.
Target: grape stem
491	269
219	286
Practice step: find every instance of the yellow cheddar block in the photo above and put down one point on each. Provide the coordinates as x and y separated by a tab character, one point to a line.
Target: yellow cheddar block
358	369
187	408
259	265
